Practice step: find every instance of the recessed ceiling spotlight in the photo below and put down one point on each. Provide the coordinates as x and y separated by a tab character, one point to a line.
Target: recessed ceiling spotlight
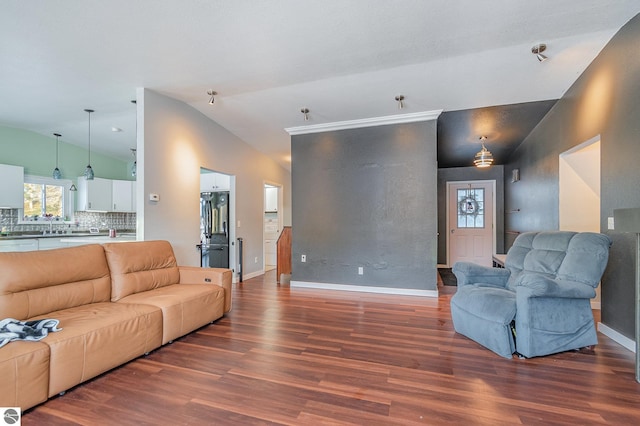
305	112
399	99
211	93
538	49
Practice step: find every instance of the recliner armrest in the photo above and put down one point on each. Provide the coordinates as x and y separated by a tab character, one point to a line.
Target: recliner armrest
471	273
536	285
216	276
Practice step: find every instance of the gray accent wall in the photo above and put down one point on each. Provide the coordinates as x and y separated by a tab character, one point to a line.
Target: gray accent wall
605	101
366	198
457	174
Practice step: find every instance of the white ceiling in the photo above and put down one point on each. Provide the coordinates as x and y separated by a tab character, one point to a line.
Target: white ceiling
342	59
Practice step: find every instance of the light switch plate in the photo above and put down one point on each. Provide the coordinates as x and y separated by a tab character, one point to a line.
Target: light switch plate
610	224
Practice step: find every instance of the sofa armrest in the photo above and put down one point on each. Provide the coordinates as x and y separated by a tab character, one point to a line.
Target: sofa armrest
535	285
216	276
471	273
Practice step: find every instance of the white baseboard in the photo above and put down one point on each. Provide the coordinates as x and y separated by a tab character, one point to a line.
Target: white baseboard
248	276
617	337
366	289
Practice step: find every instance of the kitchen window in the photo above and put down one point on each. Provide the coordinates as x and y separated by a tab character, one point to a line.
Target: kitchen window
45	196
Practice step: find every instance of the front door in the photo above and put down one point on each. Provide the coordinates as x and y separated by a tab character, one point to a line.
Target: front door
470	218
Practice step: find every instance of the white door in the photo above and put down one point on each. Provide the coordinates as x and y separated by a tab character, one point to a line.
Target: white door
470	219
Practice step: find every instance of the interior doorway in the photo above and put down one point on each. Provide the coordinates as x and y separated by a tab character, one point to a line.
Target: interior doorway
470	222
272	224
217	218
579	192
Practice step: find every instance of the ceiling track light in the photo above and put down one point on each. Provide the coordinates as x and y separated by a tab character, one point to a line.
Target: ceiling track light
212	93
400	99
538	49
305	112
56	172
483	158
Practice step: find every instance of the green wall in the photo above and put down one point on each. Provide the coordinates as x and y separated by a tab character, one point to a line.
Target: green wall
37	154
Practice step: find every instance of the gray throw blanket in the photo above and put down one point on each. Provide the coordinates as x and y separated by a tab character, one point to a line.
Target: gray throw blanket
12	329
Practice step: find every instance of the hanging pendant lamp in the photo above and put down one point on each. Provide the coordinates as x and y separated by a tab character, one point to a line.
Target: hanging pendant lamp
483	158
134	166
56	172
88	172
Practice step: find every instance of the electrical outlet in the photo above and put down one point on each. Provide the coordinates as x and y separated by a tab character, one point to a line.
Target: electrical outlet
303	258
360	270
255	260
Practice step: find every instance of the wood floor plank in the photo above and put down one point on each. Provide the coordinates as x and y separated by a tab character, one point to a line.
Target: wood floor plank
296	356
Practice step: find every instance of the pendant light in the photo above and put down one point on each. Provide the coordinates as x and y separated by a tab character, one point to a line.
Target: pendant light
134	166
56	172
483	158
88	172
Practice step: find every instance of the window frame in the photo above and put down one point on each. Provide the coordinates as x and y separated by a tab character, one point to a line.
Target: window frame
68	206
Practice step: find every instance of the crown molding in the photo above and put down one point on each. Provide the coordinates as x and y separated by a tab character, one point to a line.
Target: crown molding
365	122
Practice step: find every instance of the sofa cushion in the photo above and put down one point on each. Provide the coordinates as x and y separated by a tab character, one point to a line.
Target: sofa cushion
586	258
185	307
140	266
539	252
24	373
98	337
38	282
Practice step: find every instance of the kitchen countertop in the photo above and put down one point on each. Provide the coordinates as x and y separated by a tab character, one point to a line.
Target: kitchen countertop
74	235
100	239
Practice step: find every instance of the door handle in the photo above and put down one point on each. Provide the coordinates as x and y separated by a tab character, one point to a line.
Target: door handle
453	230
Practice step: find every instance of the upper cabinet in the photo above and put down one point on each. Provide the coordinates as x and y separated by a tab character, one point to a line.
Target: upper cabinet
106	195
123	195
271	199
12	187
214	182
95	194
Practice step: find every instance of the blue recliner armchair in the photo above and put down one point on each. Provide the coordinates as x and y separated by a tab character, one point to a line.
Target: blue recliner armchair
540	303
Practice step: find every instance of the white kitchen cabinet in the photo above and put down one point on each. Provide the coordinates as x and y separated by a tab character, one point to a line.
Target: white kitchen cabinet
95	195
27	244
50	243
12	187
270	252
271	199
214	182
122	196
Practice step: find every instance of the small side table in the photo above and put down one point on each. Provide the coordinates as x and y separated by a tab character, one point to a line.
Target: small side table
498	260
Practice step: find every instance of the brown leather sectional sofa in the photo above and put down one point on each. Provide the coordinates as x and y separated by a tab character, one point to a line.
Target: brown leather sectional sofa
115	302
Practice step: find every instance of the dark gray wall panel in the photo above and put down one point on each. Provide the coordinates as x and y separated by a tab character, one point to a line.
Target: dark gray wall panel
454	174
603	101
366	197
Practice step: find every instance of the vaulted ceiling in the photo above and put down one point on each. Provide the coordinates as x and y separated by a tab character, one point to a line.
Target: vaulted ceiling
341	59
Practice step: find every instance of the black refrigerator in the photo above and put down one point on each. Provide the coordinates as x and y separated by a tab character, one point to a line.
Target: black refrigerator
214	229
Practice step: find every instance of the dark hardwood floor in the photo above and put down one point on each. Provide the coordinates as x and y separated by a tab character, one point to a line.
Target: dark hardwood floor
305	357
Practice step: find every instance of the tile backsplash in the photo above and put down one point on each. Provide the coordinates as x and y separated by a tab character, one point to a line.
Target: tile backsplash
10	221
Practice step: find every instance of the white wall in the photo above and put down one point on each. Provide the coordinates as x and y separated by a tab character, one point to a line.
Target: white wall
579	193
174	141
